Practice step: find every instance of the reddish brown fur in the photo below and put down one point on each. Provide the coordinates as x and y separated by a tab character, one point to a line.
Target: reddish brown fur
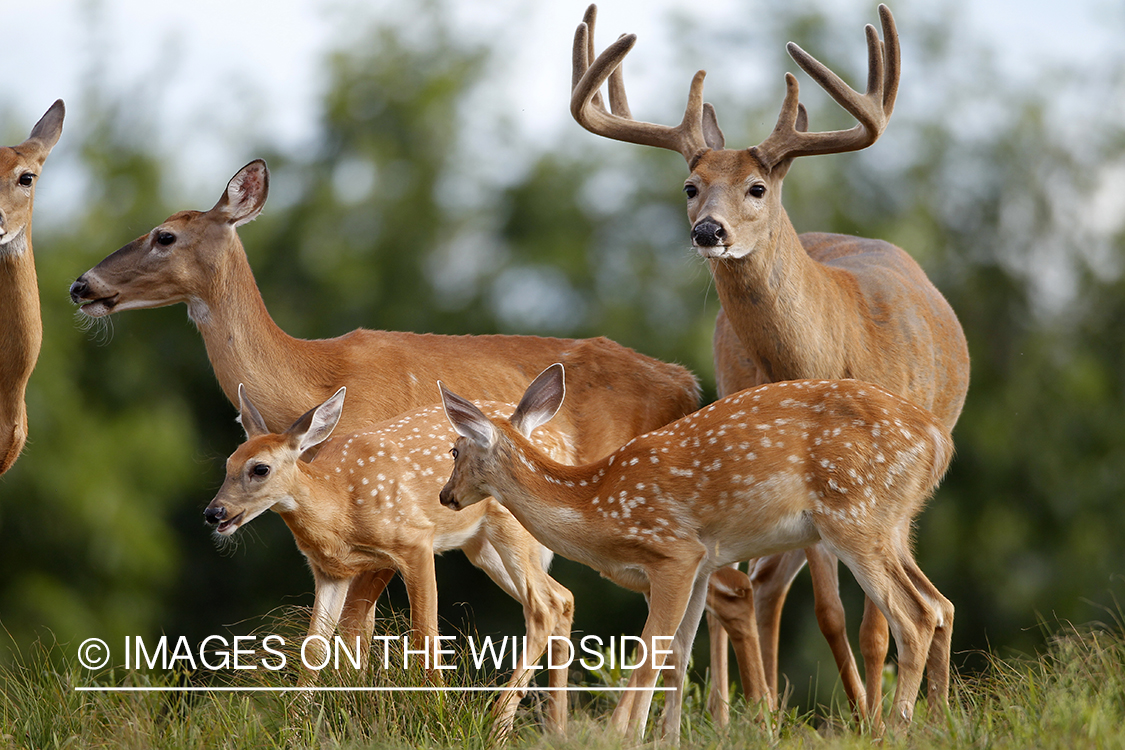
367	506
619	393
766	470
808	306
21	328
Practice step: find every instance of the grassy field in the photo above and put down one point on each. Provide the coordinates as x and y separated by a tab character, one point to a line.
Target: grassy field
1070	696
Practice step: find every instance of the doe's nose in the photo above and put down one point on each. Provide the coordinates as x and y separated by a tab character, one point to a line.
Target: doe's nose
79	289
215	514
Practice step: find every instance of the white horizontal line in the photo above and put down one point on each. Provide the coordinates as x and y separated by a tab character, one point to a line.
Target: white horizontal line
315	689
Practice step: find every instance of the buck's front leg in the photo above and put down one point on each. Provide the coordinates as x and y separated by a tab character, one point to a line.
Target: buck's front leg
824	569
331	594
771	577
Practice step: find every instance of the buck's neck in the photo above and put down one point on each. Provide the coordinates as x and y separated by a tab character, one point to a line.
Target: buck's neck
21	327
786	309
245	345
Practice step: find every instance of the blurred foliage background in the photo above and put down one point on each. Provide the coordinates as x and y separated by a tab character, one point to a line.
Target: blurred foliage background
1010	194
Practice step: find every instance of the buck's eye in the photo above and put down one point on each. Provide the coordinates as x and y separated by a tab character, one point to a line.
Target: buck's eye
165	238
690	191
756	191
260	470
26	179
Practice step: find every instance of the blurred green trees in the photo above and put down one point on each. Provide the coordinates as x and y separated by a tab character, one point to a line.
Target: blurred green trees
1013	207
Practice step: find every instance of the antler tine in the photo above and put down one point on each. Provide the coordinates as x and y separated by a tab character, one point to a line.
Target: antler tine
584	50
587	108
872	110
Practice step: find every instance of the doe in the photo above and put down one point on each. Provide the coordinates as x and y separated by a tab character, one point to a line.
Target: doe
782	466
369	501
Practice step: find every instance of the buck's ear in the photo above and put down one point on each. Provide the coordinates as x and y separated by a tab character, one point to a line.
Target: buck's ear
468	421
46	132
540	401
249	416
316	425
712	133
246	193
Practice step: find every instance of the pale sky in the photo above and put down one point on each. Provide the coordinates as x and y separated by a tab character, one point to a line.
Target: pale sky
215	76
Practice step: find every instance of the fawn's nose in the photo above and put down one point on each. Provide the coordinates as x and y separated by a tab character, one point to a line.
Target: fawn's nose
79	289
215	514
708	232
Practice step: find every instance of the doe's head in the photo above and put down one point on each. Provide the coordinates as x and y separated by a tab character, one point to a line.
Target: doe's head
19	171
262	472
478	465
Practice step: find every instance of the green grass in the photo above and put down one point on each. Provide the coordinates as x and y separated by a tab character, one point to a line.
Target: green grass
1070	696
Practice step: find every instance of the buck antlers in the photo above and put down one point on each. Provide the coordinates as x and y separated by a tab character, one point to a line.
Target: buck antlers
699	130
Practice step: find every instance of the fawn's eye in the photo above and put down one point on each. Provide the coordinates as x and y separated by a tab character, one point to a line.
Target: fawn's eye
260	470
165	238
756	190
690	191
27	178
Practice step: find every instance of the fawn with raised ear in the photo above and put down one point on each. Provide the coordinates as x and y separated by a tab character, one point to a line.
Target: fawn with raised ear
794	306
782	466
21	327
368	502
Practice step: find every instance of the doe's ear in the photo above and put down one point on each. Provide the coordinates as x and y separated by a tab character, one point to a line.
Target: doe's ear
468	421
540	401
249	415
316	425
46	132
246	193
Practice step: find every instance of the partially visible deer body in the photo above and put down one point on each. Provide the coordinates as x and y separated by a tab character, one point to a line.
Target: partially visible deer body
795	306
196	258
783	466
368	502
21	328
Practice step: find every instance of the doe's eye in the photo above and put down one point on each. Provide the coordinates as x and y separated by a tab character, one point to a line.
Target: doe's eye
691	190
165	238
26	179
453	452
260	470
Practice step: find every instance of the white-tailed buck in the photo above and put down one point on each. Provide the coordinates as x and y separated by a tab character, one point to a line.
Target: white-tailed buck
783	466
795	306
368	505
21	328
197	258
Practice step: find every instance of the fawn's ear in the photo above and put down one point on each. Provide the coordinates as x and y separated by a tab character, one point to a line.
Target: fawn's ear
246	193
316	425
540	401
468	421
249	416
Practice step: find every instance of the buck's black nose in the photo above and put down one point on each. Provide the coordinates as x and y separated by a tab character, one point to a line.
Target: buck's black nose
708	233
